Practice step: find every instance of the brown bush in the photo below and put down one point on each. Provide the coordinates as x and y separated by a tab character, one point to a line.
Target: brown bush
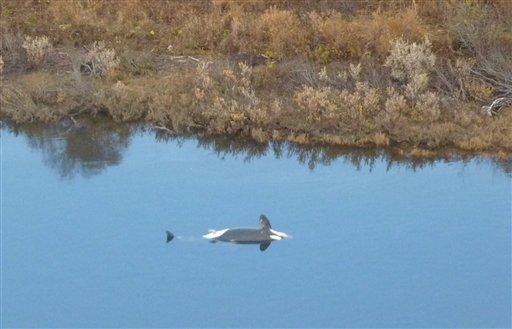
339	37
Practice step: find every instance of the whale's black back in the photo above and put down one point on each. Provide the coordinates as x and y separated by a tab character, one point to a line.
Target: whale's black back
245	235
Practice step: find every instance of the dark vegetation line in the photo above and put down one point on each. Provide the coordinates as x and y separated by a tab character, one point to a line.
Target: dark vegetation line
92	145
421	76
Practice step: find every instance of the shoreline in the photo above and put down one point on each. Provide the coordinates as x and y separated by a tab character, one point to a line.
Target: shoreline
311	152
227	100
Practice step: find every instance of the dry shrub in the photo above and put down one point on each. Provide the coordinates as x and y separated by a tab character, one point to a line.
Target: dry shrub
226	98
484	33
126	103
380	139
226	89
408	61
363	99
347	100
330	107
99	60
282	32
160	100
411	65
155	100
80	23
259	135
12	52
37	97
136	63
202	33
456	81
338	37
395	105
37	48
468	24
16	104
319	104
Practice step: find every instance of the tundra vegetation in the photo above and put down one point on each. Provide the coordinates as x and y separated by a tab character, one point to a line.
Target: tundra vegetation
419	76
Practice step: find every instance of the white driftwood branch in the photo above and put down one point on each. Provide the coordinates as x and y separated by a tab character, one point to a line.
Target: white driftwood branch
163	128
496	105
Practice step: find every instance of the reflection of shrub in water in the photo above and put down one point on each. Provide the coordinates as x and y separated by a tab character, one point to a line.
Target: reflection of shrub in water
86	151
91	148
324	155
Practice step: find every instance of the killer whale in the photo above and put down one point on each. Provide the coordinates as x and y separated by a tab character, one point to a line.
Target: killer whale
264	235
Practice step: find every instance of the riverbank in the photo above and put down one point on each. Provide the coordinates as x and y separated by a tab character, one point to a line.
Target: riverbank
420	81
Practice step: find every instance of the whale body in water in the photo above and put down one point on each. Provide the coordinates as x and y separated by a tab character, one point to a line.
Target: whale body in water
264	235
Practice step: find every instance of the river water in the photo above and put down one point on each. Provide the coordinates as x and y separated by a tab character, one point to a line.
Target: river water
378	240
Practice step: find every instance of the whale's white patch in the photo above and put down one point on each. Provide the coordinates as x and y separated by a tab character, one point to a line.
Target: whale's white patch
212	234
279	234
275	237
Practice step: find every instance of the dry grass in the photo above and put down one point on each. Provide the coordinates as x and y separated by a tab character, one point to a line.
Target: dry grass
342	29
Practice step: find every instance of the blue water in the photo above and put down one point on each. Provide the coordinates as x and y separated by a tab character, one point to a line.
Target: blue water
374	245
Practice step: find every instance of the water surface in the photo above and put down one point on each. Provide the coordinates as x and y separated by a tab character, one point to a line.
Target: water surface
377	241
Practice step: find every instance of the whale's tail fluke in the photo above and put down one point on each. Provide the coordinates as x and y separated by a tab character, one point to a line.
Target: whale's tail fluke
170	236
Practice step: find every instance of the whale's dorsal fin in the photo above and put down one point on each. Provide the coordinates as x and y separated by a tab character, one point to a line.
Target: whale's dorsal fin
264	222
264	245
